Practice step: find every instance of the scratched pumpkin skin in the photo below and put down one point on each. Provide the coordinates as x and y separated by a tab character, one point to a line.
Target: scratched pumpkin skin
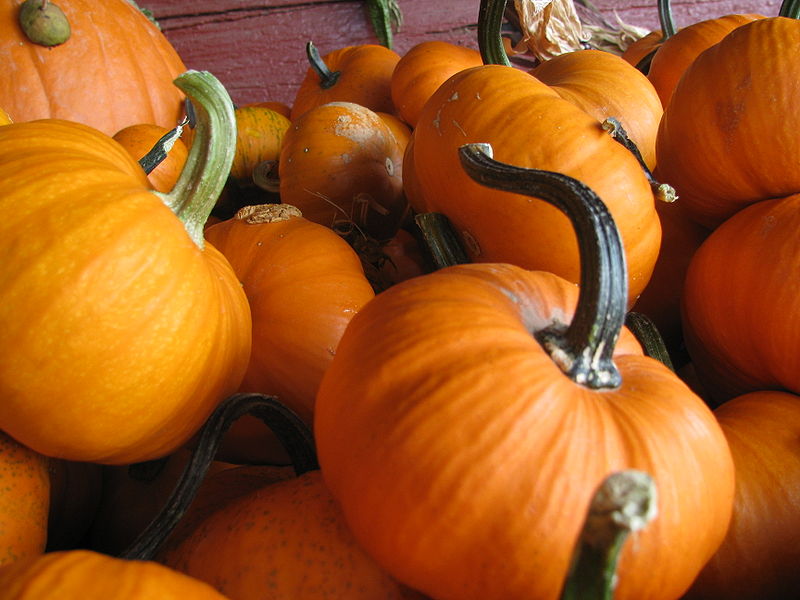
342	166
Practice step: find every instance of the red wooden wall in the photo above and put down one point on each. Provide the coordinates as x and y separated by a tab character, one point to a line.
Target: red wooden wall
257	48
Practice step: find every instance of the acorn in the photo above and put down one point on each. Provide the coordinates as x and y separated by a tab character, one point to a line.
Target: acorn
44	23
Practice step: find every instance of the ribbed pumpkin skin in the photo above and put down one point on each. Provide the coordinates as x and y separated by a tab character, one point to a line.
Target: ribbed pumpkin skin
422	69
366	75
741	302
85	575
604	85
259	136
726	139
284	540
115	70
118	335
24	501
679	51
528	125
758	559
304	284
464	459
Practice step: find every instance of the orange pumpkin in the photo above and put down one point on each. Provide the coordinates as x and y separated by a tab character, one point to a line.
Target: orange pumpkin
115	70
677	52
341	165
460	410
304	283
119	329
740	305
422	69
83	574
24	501
758	558
259	135
140	138
726	140
359	74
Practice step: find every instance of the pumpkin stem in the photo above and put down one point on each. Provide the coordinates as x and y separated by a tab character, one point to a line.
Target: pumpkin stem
158	153
584	349
441	240
327	78
386	17
666	20
490	26
292	432
663	192
625	502
790	9
649	337
196	192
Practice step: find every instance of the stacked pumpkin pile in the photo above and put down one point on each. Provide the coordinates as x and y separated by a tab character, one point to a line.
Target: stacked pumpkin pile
256	319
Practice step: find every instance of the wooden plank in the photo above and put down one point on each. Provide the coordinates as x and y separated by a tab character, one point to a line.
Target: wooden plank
257	48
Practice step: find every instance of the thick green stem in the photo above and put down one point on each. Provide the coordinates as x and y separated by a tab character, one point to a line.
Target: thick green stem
327	78
668	28
624	503
490	39
441	240
290	430
209	162
790	9
584	348
386	17
649	337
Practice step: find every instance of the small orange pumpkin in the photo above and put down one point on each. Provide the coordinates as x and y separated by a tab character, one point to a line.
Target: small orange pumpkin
82	574
140	138
341	165
360	74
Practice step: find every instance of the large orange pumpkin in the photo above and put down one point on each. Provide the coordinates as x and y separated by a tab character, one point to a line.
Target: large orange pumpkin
726	139
119	329
115	70
463	425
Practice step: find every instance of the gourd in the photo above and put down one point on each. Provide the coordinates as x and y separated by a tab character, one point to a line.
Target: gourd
469	414
120	330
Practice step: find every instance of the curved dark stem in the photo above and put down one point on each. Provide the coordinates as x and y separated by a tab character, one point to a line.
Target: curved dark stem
790	9
665	19
584	349
490	39
441	240
649	337
662	191
292	432
327	78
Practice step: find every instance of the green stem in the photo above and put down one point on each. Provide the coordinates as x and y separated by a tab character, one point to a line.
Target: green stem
290	430
790	9
196	192
327	78
386	17
624	503
583	349
649	337
666	20
441	240
490	39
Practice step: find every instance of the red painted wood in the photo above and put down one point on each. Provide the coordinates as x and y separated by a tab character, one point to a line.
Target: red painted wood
257	48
